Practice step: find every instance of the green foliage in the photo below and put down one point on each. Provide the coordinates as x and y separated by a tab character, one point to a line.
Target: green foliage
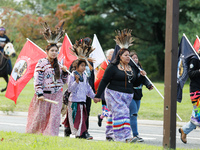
145	18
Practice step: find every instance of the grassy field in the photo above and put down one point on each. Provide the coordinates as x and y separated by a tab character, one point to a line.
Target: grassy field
151	105
22	141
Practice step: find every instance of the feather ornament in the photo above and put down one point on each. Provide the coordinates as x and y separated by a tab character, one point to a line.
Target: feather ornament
82	49
123	38
52	37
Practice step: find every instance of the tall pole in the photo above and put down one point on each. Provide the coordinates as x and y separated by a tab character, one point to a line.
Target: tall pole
171	50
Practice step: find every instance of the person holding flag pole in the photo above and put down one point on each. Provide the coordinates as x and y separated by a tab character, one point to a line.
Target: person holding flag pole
191	63
49	77
118	82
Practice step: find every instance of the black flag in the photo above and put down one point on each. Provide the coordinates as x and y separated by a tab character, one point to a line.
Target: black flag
184	55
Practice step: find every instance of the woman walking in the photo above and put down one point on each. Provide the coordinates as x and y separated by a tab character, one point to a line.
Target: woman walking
119	78
49	77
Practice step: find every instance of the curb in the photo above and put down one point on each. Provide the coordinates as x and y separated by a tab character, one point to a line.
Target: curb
93	118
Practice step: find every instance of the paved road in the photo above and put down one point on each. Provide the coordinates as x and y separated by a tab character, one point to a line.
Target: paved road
150	131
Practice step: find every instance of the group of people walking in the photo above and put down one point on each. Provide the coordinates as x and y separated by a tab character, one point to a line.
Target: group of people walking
118	85
116	88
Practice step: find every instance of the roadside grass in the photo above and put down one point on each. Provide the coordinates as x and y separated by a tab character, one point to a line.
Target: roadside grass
22	141
151	107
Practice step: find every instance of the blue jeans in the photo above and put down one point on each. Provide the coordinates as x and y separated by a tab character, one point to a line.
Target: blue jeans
134	108
188	127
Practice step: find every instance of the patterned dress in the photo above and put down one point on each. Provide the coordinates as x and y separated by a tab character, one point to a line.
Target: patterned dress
44	117
77	112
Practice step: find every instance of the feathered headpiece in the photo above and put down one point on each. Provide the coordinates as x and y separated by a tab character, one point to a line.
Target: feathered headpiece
124	38
82	50
52	37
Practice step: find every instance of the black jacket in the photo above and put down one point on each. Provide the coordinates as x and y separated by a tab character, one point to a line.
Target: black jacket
194	74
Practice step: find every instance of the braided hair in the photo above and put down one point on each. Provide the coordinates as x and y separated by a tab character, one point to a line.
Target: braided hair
55	62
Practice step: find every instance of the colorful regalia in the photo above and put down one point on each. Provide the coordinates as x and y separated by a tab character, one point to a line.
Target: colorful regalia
77	113
44	117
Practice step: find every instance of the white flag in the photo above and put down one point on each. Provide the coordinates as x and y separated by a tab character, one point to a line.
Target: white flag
97	54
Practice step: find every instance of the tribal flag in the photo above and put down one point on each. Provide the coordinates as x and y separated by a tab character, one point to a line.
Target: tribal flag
65	56
117	48
196	44
185	53
23	69
97	54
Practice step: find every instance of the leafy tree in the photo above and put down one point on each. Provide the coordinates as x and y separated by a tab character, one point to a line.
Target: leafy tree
146	19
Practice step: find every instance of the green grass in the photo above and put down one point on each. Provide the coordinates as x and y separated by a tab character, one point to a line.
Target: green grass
151	105
22	141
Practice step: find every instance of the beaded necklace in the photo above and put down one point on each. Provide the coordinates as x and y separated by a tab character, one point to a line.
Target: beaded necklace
129	76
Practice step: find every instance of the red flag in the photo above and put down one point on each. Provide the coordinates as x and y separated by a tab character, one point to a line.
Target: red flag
23	70
196	44
65	54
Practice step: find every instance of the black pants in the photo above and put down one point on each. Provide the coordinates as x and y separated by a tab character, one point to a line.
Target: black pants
88	105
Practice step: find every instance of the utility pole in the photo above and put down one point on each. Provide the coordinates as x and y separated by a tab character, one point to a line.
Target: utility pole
171	54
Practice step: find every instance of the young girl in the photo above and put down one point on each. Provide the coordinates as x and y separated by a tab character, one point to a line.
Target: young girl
79	88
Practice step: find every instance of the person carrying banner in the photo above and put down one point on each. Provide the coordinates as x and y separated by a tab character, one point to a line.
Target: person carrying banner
135	103
118	82
79	88
49	77
194	75
98	78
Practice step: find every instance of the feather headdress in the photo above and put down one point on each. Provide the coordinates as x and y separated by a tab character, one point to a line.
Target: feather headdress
124	38
82	50
52	37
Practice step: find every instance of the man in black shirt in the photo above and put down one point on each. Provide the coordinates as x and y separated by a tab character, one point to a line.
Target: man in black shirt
3	41
3	38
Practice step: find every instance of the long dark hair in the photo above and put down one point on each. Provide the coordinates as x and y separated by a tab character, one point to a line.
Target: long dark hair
134	53
55	63
117	57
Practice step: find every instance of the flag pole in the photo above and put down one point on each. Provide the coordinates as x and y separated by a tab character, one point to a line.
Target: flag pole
45	53
191	45
152	84
198	37
68	38
35	45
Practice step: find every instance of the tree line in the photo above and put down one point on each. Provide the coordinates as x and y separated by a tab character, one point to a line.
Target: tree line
83	18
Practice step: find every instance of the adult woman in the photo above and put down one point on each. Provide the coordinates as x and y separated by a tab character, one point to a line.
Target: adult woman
49	77
135	103
120	78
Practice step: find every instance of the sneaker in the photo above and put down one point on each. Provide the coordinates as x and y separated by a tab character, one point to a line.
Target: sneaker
67	132
99	120
131	140
139	139
88	136
109	139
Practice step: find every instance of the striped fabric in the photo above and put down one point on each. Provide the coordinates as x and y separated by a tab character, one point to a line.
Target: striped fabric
109	126
118	104
195	99
121	123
